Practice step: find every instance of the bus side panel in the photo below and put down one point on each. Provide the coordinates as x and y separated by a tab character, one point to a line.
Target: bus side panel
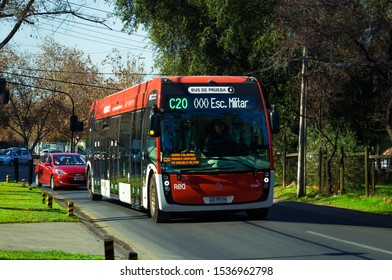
125	193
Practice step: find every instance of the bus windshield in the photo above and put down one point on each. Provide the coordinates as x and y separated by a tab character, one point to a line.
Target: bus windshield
198	137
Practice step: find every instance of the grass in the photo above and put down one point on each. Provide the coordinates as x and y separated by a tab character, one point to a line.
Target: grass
45	255
381	203
19	204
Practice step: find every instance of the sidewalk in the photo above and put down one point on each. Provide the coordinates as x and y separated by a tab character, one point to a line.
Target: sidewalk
57	236
66	237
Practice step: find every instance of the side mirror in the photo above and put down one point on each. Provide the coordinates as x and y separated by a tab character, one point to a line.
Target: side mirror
274	120
155	125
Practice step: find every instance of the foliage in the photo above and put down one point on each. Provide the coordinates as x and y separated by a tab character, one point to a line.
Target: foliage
349	44
221	37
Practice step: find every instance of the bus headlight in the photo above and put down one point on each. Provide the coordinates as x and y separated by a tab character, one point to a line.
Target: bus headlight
167	188
266	181
166	183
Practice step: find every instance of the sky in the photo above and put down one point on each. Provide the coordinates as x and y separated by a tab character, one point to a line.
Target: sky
93	39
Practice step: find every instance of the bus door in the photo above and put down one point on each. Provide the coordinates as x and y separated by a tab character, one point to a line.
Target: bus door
136	172
98	154
149	154
113	159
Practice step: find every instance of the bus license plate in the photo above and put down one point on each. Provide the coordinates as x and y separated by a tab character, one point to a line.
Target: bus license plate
217	199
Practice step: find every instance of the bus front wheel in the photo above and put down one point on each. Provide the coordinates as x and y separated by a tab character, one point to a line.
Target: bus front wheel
157	215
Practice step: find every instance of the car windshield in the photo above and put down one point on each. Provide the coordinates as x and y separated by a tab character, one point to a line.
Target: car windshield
68	160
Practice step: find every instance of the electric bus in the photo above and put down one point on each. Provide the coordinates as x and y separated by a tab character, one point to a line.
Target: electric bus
146	146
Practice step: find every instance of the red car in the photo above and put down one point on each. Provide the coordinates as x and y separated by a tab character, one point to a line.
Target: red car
61	170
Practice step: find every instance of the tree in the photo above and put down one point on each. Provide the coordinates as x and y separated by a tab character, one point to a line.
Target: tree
18	13
221	37
42	87
51	86
72	80
349	43
22	114
126	70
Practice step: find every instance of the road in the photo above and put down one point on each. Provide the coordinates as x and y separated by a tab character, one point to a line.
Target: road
292	231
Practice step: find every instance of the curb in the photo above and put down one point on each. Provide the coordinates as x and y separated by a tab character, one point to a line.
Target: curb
123	251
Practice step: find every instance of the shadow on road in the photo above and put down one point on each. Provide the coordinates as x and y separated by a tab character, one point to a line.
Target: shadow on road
294	212
297	212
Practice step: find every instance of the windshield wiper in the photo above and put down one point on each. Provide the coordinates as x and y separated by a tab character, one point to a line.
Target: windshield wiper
238	161
198	170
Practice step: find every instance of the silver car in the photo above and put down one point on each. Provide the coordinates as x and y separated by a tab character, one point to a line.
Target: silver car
23	156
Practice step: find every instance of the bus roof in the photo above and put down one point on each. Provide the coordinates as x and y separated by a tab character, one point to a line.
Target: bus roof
136	97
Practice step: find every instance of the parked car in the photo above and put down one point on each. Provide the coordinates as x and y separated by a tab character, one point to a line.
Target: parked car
61	170
10	154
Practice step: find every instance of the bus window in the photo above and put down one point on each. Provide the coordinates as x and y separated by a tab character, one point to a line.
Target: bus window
114	158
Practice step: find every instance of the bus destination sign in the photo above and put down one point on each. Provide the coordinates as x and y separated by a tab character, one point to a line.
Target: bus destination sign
207	97
184	103
183	159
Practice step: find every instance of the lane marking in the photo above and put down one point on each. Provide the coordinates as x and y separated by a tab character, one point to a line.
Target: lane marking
351	243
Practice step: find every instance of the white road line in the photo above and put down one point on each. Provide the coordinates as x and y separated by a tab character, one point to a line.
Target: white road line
351	243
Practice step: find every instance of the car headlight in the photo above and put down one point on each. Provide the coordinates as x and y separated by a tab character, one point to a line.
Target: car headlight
59	172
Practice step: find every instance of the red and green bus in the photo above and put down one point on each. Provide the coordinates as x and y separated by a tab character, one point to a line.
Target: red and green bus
147	146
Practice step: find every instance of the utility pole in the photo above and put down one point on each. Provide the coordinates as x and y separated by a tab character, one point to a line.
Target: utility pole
301	179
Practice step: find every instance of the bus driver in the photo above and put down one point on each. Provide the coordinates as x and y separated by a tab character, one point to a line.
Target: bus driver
218	134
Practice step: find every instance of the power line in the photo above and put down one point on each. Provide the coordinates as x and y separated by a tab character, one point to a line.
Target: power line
108	13
92	32
80	72
96	41
90	8
59	81
102	28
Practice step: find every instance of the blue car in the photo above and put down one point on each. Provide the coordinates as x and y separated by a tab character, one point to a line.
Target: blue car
23	156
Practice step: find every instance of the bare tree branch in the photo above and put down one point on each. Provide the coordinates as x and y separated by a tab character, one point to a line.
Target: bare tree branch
29	12
18	23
